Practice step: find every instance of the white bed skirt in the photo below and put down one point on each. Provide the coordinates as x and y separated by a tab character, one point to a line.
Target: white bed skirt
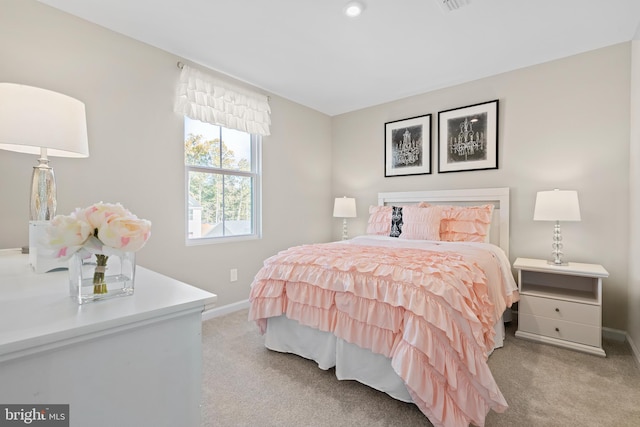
351	362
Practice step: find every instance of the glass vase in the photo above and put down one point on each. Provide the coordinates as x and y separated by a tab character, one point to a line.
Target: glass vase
101	277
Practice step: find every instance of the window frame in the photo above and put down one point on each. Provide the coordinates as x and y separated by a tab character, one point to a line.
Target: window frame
256	212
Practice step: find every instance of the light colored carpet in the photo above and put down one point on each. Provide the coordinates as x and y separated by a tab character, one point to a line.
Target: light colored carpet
246	385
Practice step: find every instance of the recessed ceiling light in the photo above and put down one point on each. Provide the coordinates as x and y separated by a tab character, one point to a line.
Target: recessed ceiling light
353	9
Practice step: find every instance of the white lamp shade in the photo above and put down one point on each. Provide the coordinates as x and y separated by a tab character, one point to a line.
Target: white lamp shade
32	118
344	207
557	205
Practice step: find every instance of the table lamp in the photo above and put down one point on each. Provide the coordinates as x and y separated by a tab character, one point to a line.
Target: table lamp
344	207
40	121
557	206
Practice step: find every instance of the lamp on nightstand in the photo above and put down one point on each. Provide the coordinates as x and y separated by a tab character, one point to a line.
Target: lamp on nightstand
557	206
344	207
40	121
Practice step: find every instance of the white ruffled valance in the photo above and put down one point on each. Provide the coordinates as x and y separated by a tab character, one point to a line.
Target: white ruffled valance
203	97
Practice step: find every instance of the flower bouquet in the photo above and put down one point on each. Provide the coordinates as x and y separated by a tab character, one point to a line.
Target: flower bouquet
103	230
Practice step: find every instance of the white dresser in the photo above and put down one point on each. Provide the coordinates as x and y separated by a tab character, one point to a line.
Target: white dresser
561	305
129	361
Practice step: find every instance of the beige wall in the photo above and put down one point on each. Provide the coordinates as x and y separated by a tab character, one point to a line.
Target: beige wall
633	322
562	124
136	154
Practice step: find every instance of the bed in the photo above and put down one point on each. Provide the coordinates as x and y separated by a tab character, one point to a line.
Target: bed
414	316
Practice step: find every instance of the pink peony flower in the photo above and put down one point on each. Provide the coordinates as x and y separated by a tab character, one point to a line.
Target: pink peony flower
99	228
127	234
67	234
99	213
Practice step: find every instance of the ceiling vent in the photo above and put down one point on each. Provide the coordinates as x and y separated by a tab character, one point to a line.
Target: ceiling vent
450	5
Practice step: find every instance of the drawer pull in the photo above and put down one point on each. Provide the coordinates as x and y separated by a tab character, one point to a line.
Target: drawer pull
557	310
557	329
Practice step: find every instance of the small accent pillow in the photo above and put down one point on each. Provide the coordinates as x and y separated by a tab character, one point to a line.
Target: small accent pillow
379	220
421	223
396	221
466	223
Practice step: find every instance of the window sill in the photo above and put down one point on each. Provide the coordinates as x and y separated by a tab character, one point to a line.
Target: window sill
216	240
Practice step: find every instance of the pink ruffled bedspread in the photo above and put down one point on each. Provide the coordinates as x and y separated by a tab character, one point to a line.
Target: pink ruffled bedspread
428	311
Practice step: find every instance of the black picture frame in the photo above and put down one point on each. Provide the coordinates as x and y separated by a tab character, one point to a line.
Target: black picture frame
468	138
407	146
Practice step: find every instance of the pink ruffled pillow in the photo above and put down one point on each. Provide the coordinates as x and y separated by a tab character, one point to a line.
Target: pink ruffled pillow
466	223
421	223
379	220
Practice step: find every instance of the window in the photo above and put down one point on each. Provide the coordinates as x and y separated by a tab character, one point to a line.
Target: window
223	183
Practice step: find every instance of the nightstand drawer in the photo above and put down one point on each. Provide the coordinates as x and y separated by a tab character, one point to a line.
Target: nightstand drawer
568	331
560	310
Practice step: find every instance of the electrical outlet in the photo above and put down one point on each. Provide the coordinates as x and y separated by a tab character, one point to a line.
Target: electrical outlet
234	275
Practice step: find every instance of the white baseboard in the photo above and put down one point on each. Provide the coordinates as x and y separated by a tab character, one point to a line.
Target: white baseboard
635	350
614	334
225	309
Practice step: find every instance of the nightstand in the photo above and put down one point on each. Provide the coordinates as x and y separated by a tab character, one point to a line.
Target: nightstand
561	305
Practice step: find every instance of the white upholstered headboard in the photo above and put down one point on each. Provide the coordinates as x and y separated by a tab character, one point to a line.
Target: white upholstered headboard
499	197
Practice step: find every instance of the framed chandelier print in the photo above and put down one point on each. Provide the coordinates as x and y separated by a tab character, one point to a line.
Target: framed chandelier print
468	138
407	146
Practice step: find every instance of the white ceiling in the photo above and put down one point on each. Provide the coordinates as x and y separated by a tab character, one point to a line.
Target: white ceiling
307	51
